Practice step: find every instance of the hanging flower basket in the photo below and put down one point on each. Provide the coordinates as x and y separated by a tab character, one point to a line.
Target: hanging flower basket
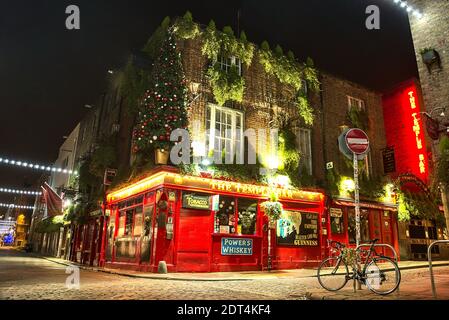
273	210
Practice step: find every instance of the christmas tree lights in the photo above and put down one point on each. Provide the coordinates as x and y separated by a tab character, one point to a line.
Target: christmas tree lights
164	106
13	206
29	165
23	192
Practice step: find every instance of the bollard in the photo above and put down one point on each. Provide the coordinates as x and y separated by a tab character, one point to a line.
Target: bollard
162	267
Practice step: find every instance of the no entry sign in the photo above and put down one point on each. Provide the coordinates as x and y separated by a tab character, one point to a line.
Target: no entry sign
357	141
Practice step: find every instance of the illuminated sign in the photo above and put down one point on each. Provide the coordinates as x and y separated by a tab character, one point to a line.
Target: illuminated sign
405	133
194	201
236	247
201	184
418	131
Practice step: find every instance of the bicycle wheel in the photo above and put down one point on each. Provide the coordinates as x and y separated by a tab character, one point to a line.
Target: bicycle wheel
333	274
382	275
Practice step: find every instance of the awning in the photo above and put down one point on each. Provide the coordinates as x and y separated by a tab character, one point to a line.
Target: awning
369	205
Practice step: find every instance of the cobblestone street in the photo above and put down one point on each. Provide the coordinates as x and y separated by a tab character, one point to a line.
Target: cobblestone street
23	276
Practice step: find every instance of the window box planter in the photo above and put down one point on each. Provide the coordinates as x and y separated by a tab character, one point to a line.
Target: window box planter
161	156
430	56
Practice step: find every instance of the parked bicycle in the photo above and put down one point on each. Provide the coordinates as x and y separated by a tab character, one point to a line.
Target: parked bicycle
379	273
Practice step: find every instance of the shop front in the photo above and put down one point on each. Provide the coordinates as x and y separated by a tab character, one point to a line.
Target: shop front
377	221
197	224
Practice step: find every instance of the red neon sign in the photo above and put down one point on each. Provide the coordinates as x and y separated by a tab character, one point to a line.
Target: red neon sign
405	131
418	131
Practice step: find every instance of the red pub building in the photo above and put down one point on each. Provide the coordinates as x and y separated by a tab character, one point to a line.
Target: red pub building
198	224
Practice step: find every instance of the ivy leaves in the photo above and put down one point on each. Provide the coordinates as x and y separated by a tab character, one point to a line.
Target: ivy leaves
358	118
443	162
288	71
185	28
226	85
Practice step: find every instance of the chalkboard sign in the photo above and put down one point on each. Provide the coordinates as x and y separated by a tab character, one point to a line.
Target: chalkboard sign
297	229
389	160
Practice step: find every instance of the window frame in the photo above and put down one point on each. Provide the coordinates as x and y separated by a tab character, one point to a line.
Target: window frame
233	61
360	103
300	132
210	140
236	199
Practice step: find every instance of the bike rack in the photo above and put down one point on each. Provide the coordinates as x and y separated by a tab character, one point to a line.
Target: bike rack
376	245
429	258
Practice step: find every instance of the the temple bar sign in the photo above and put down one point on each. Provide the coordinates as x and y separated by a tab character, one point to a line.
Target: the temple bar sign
236	247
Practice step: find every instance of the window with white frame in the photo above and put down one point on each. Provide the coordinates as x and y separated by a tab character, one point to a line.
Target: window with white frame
226	63
225	127
359	104
368	164
305	149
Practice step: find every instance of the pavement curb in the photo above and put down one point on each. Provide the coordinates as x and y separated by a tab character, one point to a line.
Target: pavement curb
143	276
146	276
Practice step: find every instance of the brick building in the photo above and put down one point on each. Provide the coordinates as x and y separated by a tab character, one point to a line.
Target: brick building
167	216
432	32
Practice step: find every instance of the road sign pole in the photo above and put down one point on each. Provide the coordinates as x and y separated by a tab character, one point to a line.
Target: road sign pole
357	209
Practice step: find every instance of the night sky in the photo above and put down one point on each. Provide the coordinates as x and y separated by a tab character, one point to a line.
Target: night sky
48	73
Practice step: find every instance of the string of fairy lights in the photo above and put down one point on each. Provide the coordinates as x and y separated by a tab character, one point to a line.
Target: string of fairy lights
409	8
25	164
28	165
21	192
14	206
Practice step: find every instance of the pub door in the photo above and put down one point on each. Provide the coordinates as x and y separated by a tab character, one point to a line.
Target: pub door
194	240
163	241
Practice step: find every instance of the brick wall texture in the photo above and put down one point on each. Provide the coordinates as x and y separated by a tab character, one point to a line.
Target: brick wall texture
265	97
432	31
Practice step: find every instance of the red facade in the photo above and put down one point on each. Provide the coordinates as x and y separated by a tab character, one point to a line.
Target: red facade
404	129
205	225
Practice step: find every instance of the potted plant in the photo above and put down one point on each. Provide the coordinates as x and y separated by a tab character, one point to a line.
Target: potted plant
430	56
161	156
272	209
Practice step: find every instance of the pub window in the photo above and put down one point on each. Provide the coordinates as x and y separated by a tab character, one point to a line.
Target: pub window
227	63
359	104
337	223
247	213
305	149
225	216
225	128
138	221
364	225
129	222
121	223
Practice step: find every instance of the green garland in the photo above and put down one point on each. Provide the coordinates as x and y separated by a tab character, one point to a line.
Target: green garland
288	71
226	85
443	162
184	28
422	206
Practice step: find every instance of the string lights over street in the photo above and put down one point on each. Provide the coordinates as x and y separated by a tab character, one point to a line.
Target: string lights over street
34	166
409	8
13	206
22	192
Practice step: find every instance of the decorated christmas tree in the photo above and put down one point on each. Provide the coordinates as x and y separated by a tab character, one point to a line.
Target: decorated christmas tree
164	106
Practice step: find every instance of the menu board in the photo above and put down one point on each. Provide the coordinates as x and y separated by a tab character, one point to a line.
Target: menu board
389	160
297	229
